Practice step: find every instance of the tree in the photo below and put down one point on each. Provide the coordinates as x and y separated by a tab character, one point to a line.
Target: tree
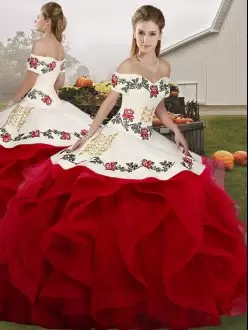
13	56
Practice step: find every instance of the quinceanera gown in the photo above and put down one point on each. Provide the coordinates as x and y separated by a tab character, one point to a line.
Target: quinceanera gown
37	127
125	232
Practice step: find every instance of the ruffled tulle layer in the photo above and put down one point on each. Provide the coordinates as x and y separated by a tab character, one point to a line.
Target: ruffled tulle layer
81	250
13	162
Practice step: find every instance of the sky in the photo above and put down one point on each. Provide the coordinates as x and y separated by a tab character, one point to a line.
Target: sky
99	32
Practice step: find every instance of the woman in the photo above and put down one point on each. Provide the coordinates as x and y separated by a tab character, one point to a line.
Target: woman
124	230
35	126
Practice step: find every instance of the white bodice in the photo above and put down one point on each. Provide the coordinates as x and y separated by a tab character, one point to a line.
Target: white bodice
43	93
127	147
42	117
140	98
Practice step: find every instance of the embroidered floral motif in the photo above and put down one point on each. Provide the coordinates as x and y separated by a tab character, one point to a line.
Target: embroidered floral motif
153	91
114	80
65	136
35	134
46	99
147	114
139	83
34	93
52	66
34	63
188	162
126	120
6	137
128	114
18	117
84	132
115	166
98	144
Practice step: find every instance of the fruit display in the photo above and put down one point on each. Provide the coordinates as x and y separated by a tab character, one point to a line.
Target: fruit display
103	87
229	160
240	158
83	81
177	119
86	92
156	121
224	157
180	119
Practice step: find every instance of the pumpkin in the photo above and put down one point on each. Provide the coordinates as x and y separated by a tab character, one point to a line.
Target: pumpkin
189	120
225	158
240	158
156	122
180	120
84	81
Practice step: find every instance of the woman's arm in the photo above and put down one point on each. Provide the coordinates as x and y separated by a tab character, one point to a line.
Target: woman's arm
27	84
103	112
163	115
60	81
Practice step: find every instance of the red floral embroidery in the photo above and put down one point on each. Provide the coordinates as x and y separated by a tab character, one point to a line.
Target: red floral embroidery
188	154
46	99
6	137
145	133
147	163
35	134
65	136
114	80
188	160
153	91
33	62
52	65
110	166
84	132
128	114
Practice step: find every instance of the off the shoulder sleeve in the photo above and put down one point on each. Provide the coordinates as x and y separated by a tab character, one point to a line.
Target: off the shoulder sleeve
120	83
40	64
33	64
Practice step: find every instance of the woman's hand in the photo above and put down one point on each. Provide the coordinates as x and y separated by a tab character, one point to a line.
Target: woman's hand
180	140
8	105
77	145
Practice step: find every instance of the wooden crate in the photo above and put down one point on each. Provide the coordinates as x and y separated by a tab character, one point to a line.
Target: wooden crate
193	132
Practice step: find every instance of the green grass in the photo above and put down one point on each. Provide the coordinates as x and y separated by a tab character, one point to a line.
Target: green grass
228	133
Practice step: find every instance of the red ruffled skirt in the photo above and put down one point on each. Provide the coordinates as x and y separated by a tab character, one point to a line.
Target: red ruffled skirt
80	250
13	161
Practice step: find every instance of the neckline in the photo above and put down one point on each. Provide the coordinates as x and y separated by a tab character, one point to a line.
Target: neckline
139	75
33	55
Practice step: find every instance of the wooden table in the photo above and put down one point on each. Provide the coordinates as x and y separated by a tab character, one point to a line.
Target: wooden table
193	132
